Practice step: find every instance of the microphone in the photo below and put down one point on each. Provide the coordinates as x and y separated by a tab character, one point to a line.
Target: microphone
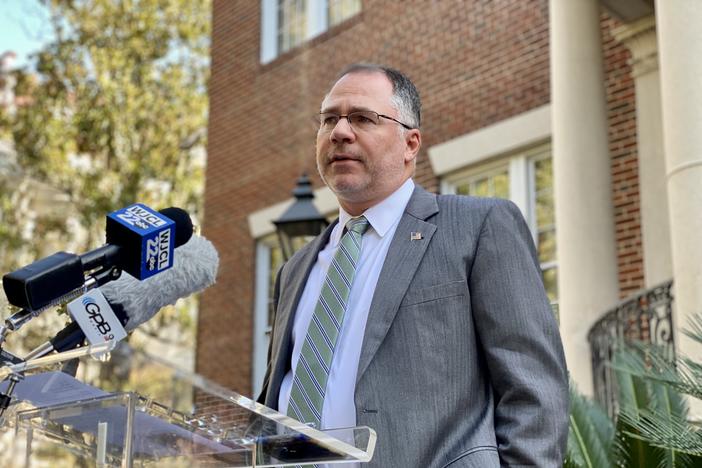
134	302
140	241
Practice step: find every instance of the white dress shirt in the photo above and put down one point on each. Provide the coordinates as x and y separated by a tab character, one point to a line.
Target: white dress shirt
339	409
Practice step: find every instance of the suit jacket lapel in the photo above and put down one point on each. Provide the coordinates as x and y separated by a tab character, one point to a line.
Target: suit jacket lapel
401	263
297	271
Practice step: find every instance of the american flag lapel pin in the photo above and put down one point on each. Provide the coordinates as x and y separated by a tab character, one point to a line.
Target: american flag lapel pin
415	236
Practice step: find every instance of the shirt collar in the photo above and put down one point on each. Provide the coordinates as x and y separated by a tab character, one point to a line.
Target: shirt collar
381	216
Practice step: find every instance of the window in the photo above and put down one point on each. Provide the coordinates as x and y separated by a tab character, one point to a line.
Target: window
269	258
285	24
292	24
339	10
543	222
490	184
526	178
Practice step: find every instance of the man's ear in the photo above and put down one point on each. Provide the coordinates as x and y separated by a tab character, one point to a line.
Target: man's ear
413	141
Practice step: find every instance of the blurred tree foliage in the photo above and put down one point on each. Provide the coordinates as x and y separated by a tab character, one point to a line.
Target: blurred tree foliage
114	112
117	98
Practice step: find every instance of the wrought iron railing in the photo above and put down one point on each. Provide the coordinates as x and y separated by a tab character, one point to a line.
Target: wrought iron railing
646	316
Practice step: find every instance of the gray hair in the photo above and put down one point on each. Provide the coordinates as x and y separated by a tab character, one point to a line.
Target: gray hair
405	97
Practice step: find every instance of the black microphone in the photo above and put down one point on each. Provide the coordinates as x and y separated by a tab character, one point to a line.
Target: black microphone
140	241
134	302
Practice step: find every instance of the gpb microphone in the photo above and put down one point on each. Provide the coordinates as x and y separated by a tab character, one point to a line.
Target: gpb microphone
134	302
140	241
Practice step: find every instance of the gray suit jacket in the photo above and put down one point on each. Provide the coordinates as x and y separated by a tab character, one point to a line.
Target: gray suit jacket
461	363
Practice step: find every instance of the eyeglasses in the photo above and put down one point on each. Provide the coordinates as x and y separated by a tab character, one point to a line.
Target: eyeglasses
359	120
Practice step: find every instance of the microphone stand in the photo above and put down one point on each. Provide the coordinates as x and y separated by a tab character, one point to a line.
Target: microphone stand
6	398
7	358
18	319
99	278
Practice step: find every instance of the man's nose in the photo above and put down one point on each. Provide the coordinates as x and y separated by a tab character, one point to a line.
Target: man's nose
342	132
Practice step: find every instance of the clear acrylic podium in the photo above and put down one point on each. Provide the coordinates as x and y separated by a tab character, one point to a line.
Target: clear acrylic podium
64	421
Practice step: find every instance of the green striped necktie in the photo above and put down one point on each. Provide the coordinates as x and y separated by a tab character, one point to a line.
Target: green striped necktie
312	371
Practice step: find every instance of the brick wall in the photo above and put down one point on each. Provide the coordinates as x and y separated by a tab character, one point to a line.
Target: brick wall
621	113
475	63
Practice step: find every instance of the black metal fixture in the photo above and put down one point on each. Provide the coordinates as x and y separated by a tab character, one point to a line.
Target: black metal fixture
647	316
301	220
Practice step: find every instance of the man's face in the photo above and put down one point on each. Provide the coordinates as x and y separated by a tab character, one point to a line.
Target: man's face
363	166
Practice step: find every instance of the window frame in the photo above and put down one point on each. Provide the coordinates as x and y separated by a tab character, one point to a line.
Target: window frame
317	22
521	170
261	328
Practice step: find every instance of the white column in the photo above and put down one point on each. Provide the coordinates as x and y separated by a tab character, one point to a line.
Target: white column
587	261
640	38
680	49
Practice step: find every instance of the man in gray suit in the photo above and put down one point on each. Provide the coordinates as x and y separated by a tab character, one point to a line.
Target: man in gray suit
436	330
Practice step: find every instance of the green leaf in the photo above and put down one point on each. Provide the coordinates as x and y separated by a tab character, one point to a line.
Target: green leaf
652	427
634	396
590	434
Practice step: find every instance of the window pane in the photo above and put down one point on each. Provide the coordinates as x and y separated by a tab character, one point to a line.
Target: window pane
550	277
481	188
462	189
490	185
544	210
545	224
545	220
532	172
501	182
276	261
544	174
339	10
547	246
292	23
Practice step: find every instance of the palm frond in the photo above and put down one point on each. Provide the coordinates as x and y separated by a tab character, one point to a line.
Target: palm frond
651	363
694	328
590	434
653	417
635	397
660	430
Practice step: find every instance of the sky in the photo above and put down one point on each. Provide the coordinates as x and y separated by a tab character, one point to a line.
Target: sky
23	28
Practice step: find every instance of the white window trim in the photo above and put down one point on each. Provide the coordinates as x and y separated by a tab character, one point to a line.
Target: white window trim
269	26
261	225
499	139
521	191
516	166
261	328
521	167
531	157
317	19
261	221
317	16
448	184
